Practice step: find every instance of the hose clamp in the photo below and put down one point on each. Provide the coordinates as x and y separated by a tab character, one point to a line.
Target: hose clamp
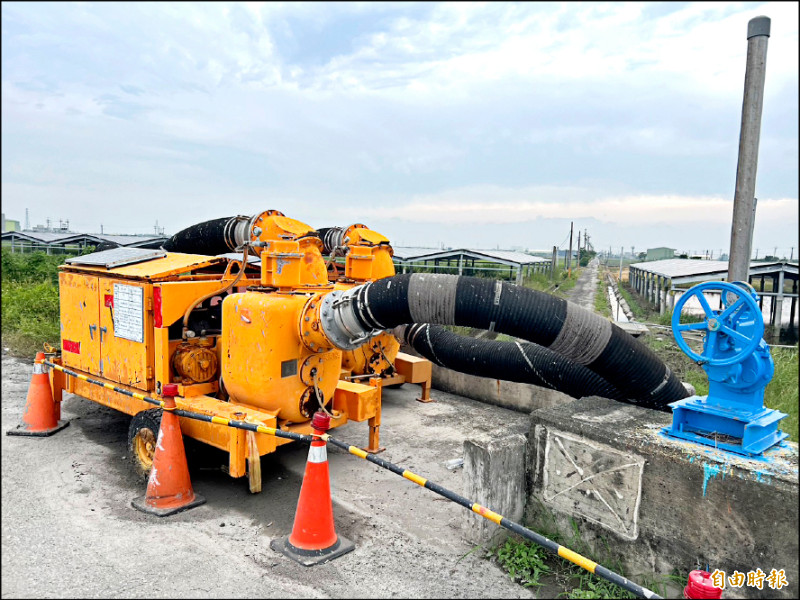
340	323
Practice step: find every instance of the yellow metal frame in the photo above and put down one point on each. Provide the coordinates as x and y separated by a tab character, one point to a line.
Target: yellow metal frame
352	401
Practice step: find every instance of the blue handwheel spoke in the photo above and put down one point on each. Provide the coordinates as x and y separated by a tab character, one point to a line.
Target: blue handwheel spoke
731	309
692	326
704	303
735	335
711	343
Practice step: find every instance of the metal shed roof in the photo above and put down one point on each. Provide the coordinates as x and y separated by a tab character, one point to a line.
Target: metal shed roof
42	237
500	256
410	252
684	269
680	267
56	238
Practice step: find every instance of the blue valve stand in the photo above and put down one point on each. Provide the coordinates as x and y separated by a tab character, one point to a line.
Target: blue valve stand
737	361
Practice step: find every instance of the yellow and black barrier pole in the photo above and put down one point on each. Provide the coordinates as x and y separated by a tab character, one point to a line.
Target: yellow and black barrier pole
526	533
546	543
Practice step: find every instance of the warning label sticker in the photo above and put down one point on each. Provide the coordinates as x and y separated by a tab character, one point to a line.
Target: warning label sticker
129	312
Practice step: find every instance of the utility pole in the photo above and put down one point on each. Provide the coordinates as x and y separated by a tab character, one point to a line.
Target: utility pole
791	254
619	277
579	249
27	221
569	256
553	262
758	30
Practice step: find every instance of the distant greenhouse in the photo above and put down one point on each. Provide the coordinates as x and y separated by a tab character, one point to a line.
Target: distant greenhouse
503	264
56	242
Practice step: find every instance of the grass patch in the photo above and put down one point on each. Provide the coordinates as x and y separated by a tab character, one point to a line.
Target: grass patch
30	305
557	286
30	317
781	393
601	305
524	562
638	311
531	565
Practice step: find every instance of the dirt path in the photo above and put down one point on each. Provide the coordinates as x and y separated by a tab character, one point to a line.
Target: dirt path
68	529
586	286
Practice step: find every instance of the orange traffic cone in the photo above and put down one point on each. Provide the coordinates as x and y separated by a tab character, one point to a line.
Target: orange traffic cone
42	414
313	539
169	489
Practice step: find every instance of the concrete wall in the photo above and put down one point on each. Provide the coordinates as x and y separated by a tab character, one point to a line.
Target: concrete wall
494	476
522	397
656	503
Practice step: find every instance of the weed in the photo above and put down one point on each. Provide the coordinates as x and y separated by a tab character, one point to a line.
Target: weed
30	305
591	586
601	306
524	561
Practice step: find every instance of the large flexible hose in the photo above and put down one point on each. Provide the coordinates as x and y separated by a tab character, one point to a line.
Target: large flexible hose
210	238
511	361
565	328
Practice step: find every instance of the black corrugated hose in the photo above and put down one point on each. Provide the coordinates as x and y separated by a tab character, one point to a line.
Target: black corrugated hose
208	238
511	361
565	328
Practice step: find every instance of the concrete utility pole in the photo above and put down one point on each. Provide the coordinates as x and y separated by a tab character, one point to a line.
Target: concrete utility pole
744	199
553	262
569	256
619	277
579	248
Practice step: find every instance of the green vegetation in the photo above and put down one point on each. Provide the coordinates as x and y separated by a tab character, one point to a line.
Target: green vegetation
524	562
638	311
587	256
601	306
781	393
30	308
531	565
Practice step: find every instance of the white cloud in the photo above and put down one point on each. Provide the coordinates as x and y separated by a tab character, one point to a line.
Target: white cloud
493	204
458	112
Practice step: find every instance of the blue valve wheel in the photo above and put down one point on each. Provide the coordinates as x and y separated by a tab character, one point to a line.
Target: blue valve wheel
721	326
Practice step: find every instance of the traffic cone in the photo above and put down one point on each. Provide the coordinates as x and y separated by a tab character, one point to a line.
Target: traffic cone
169	488
42	414
313	539
700	585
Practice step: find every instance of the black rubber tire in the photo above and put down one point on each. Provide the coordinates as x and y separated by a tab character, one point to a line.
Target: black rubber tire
141	423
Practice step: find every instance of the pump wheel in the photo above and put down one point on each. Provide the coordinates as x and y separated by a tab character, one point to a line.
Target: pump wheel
142	439
732	334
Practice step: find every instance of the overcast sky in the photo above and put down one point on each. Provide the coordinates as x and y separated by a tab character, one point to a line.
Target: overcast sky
473	124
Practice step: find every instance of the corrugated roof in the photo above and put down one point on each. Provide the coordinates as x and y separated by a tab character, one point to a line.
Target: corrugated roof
683	267
45	237
510	255
53	237
408	252
505	256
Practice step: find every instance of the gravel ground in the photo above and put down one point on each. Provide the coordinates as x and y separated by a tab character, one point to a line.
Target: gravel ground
68	529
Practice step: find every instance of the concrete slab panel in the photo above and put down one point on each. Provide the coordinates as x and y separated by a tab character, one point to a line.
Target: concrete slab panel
593	481
699	507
